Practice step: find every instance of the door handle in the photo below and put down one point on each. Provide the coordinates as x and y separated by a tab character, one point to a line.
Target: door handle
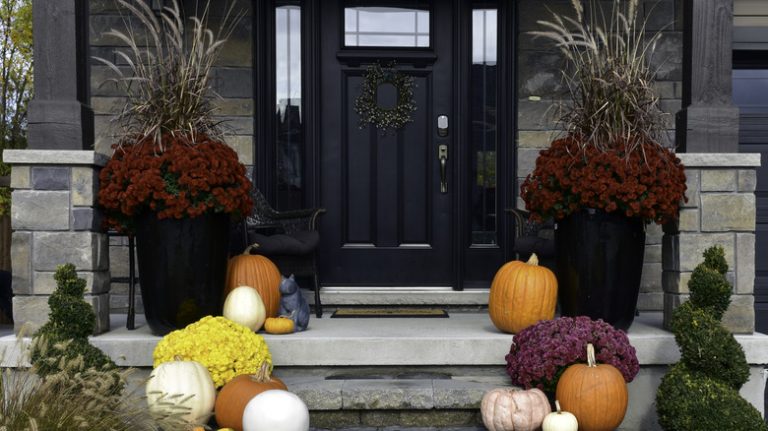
442	155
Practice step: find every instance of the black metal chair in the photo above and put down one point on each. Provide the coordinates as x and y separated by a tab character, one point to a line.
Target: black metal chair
288	238
533	237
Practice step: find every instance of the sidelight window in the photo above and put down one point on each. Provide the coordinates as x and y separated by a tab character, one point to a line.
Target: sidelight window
484	130
289	133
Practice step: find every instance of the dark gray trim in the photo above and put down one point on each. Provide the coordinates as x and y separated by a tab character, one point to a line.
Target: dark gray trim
59	115
709	121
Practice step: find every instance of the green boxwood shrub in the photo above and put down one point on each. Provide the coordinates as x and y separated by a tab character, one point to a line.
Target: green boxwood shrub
710	290
70	322
688	400
707	347
700	393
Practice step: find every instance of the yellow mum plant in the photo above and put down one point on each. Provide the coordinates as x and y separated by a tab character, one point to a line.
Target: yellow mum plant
226	348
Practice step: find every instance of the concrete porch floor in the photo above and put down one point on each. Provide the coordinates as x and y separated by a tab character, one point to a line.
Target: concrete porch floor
375	373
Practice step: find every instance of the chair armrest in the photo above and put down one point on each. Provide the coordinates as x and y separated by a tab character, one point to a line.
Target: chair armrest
521	218
306	218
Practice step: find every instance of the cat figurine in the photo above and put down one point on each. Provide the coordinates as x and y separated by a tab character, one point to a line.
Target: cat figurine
293	304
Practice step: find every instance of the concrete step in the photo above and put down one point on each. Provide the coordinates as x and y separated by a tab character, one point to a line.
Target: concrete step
374	373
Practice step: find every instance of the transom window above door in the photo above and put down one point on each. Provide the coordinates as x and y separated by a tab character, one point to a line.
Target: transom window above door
387	24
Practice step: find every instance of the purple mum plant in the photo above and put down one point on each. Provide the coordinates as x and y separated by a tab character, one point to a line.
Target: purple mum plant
541	353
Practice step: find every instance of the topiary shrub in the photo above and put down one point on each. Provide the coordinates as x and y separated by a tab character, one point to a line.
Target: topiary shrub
70	322
700	393
690	400
707	347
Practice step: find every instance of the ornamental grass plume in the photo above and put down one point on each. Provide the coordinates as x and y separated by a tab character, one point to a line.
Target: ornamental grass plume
168	84
541	353
75	397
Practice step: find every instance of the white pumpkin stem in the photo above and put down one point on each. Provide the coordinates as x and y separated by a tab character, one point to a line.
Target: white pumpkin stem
591	362
557	407
533	260
177	358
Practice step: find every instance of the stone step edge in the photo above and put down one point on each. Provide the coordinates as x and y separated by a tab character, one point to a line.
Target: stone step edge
458	393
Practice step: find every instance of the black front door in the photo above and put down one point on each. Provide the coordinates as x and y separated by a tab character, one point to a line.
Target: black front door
388	223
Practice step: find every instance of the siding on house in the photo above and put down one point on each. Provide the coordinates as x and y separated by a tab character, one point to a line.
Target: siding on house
750	24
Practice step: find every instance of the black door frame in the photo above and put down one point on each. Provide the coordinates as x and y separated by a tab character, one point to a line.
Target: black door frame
471	263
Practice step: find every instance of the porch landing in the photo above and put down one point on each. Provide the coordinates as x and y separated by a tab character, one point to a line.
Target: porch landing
376	372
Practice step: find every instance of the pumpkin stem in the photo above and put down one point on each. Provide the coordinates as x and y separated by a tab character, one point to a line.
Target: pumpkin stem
533	260
557	407
177	358
262	376
248	249
591	362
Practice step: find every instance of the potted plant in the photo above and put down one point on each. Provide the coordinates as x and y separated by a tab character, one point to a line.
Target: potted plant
610	173
172	181
541	353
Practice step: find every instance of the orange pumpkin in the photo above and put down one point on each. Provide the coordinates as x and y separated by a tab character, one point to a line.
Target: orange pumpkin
235	395
279	325
595	394
259	273
522	293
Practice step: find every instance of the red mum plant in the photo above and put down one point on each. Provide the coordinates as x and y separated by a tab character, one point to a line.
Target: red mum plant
648	182
185	180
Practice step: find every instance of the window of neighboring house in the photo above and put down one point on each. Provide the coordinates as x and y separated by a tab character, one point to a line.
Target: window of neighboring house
289	131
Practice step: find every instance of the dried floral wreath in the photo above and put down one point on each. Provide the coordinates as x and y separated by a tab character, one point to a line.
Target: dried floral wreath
385	119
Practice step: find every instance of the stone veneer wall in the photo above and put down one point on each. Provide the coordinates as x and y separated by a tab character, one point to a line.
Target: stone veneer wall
232	80
720	211
54	221
539	88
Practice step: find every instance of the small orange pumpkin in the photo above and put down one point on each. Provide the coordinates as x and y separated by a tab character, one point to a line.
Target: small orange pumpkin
279	325
595	393
235	395
522	293
257	272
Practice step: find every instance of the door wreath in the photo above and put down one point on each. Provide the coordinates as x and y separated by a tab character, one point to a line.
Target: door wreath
385	119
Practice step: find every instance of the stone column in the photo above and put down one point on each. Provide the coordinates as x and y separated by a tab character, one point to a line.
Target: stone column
721	210
55	221
709	121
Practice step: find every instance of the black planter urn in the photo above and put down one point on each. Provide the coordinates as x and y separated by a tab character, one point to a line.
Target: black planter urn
182	268
599	260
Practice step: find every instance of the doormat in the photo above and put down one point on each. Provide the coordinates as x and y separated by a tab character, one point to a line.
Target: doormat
389	312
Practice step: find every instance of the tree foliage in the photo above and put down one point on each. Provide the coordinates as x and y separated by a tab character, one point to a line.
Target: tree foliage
15	80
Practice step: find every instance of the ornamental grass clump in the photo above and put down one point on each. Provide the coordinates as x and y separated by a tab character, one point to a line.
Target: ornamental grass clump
701	391
169	157
612	157
540	353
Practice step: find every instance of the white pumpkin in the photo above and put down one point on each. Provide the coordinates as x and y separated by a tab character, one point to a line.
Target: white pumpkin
276	410
560	421
189	379
244	306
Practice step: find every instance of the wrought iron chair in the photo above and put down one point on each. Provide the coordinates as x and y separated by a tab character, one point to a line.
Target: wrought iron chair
533	237
288	238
